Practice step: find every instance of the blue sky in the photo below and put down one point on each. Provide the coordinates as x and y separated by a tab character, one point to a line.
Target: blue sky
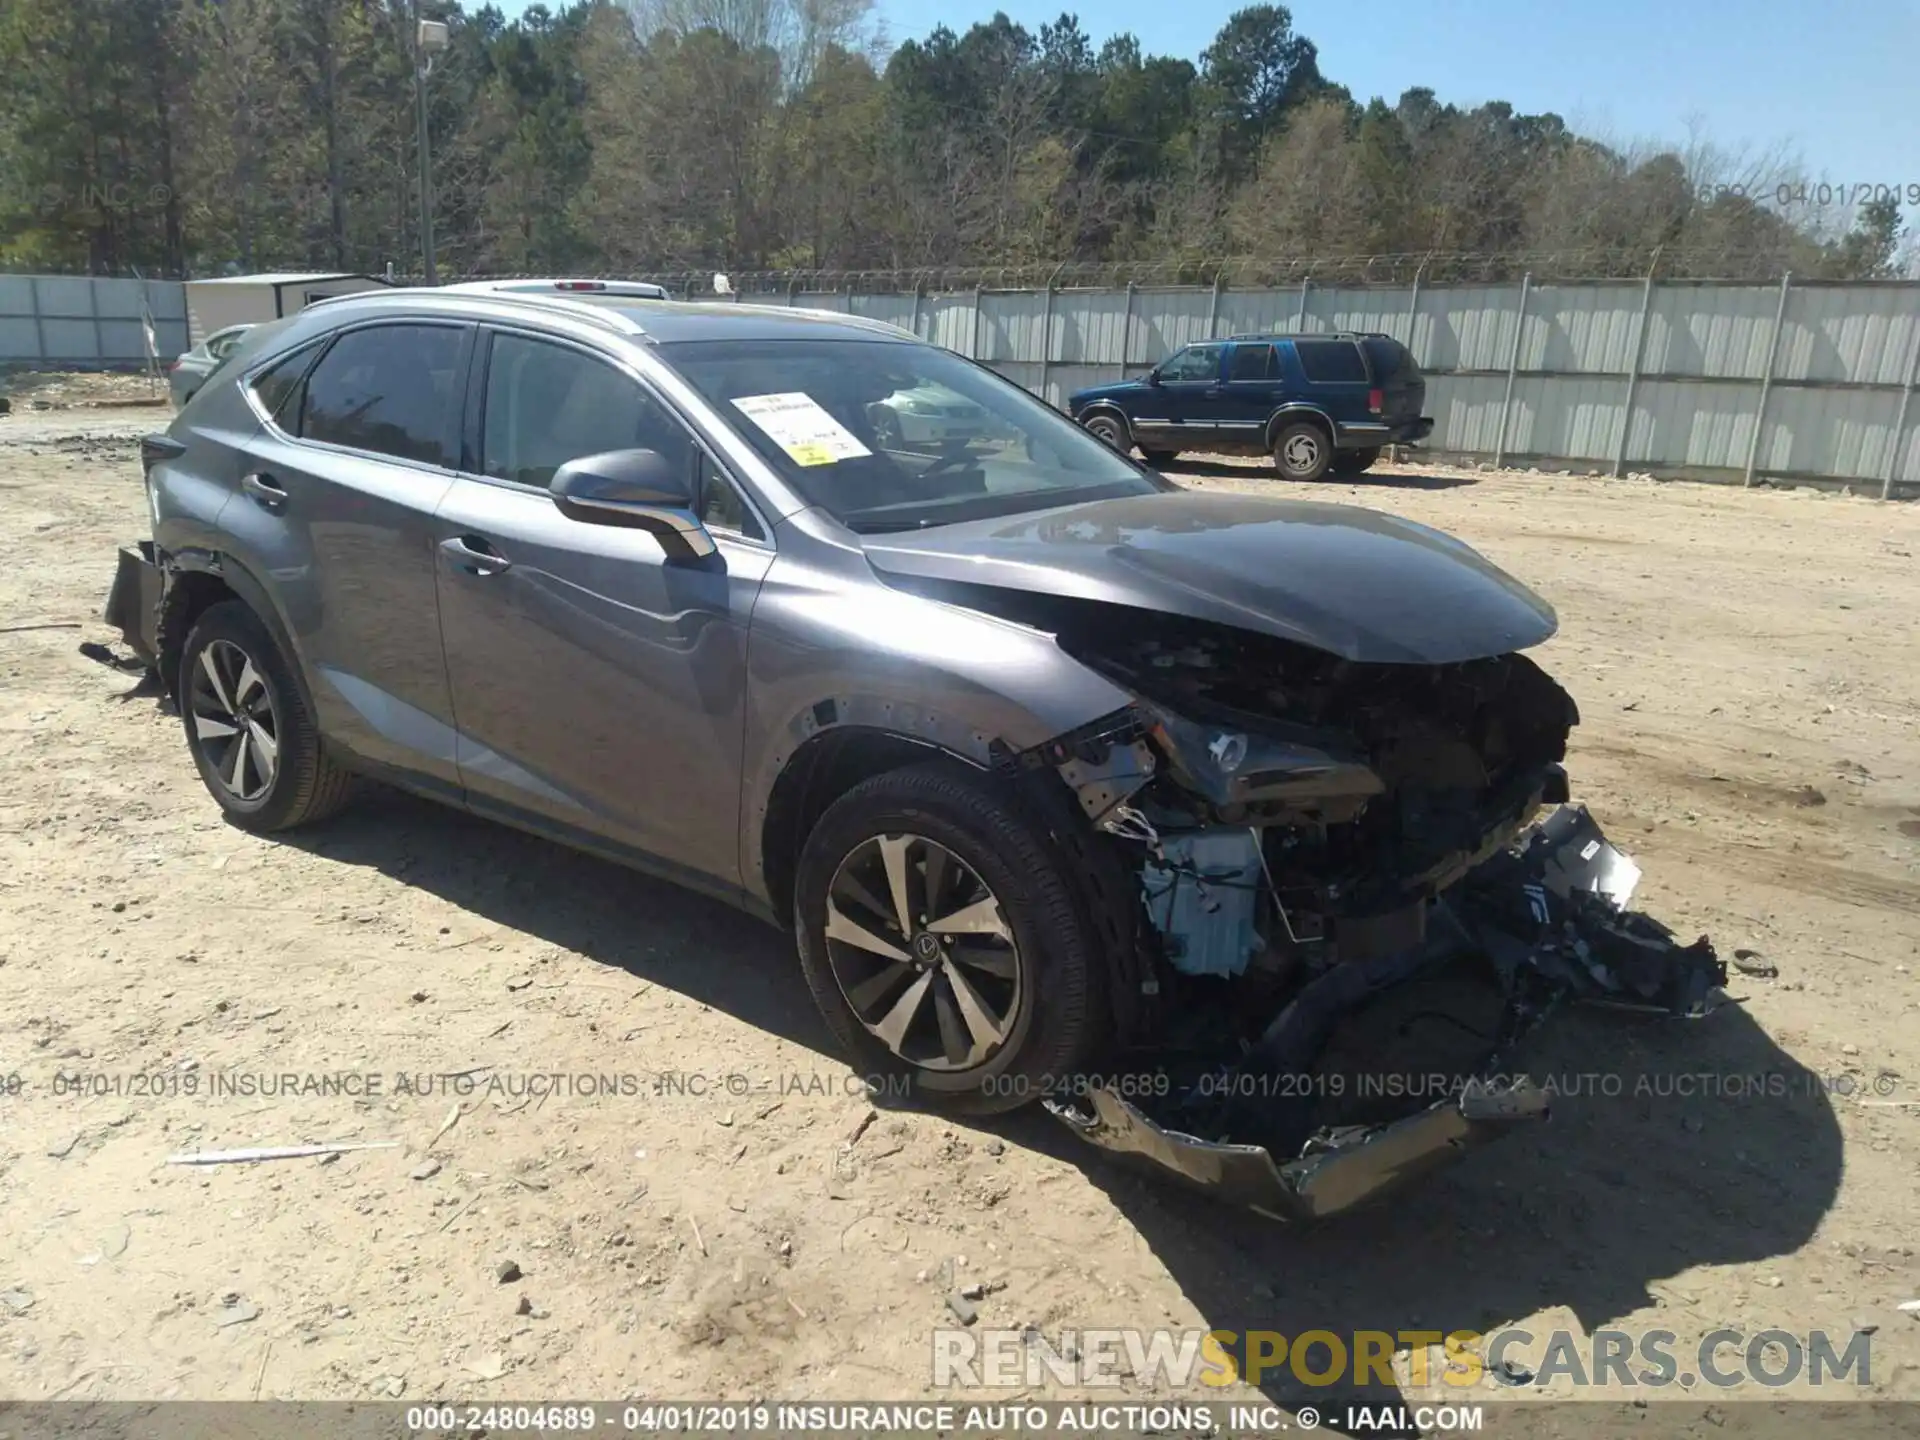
1837	85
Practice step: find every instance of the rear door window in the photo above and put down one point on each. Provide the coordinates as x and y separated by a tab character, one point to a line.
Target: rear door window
388	389
1391	360
278	388
1251	362
1331	361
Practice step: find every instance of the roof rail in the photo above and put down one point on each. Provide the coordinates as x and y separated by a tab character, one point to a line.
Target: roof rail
606	317
1313	335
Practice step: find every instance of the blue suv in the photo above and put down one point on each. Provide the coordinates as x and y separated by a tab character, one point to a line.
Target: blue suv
1314	402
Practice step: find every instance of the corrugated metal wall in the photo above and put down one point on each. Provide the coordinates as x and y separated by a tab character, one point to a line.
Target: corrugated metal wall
1669	378
78	320
1531	373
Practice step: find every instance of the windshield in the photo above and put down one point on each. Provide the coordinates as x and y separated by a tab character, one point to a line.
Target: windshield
890	436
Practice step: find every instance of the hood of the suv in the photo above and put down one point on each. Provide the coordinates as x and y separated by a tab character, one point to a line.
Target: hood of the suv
1353	582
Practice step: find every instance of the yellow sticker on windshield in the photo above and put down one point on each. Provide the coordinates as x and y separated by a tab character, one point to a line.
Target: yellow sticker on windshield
798	425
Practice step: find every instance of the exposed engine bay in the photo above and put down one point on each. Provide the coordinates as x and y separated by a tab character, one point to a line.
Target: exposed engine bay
1354	915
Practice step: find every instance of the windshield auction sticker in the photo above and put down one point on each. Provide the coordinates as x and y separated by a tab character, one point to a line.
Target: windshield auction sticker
796	423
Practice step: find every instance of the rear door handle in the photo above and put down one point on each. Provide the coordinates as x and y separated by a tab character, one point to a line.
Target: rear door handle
265	491
472	554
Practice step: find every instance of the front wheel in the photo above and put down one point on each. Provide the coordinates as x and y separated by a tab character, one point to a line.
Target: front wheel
1301	451
939	934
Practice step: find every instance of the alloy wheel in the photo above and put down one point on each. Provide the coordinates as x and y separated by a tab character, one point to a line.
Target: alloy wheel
923	953
235	726
1105	427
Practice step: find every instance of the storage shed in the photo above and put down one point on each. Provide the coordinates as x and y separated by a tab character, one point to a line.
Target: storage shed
254	299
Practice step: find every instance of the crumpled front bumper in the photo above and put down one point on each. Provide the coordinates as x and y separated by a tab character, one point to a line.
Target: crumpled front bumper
1332	1175
1547	915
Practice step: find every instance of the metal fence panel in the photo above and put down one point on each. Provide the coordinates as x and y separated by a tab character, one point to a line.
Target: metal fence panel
821	300
1167	319
1063	380
1466	412
1471	328
1838	405
893	309
1711	330
1092	326
1010	325
83	320
63	295
948	321
1024	373
1381	311
1565	419
1836	433
72	342
1692	424
1585	329
1254	312
1853	333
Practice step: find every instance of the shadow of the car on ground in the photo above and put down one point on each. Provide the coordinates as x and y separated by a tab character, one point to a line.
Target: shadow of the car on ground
1629	1184
1385	477
1673	1144
655	931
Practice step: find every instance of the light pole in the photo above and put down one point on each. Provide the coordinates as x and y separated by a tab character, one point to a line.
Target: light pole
429	39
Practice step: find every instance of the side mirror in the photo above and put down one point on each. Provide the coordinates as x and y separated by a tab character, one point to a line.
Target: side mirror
638	489
1153	376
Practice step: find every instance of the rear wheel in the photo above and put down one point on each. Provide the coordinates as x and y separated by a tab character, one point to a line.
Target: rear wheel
1301	451
939	934
1354	462
1111	429
248	728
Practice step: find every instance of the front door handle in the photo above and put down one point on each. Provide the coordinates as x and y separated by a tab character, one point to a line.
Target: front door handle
472	554
265	491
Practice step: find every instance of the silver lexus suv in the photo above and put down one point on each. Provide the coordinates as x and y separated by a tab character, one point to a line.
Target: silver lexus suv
1072	785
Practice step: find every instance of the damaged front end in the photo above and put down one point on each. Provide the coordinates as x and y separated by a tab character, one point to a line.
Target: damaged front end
1355	912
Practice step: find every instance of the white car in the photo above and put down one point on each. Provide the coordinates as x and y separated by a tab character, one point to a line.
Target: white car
929	414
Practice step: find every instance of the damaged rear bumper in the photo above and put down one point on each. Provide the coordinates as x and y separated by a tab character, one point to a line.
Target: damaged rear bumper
133	605
1543	921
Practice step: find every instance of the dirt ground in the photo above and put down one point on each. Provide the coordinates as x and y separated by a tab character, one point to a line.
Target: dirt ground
31	390
1748	669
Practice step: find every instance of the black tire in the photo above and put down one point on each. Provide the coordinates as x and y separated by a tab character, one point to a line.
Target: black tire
1159	457
1108	427
1054	1027
1354	462
302	783
1302	451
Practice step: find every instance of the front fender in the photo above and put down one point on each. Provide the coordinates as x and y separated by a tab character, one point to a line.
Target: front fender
830	647
1105	407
